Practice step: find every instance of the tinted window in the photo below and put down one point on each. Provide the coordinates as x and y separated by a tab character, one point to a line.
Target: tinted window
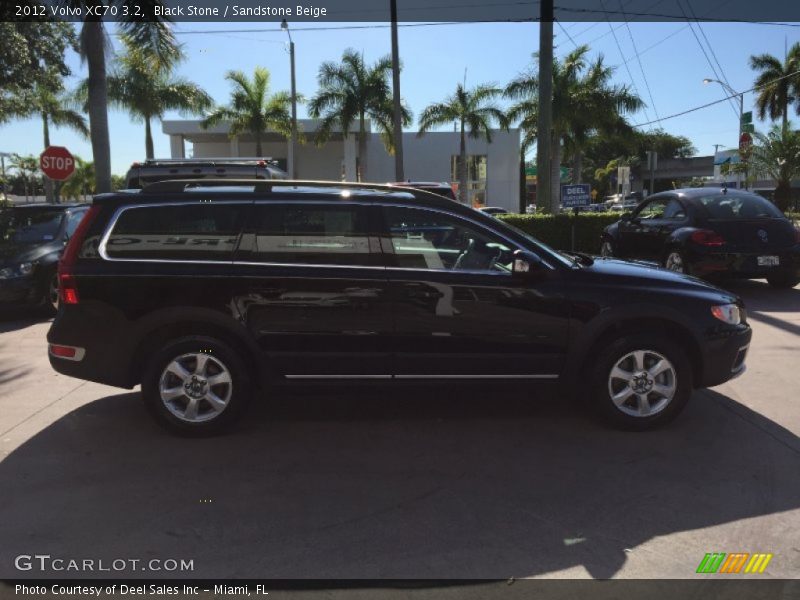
29	226
674	210
185	232
73	220
654	209
424	239
724	206
316	234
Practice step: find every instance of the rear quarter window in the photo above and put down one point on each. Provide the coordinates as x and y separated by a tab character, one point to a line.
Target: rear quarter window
725	207
176	232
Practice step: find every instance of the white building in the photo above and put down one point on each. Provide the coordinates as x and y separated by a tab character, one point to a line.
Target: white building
494	168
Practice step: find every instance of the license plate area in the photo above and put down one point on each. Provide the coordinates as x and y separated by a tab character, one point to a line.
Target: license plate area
768	261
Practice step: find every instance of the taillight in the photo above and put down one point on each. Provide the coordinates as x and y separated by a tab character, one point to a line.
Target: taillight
67	288
797	235
706	237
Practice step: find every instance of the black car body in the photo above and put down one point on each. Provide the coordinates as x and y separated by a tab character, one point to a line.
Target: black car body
153	170
710	232
278	284
32	238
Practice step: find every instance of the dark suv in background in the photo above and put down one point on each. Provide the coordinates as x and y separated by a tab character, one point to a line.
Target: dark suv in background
32	238
161	169
209	296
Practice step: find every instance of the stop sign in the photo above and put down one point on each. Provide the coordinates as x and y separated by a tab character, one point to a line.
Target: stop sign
57	163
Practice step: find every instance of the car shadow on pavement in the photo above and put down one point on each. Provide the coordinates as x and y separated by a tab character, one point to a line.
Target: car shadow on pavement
16	319
760	299
436	484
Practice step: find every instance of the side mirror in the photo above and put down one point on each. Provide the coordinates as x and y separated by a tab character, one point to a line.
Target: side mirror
526	264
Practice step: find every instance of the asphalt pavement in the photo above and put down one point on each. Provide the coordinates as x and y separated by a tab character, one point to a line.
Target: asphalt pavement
445	483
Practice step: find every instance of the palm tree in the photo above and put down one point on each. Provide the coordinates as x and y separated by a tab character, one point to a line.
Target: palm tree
778	82
154	34
352	91
144	86
82	181
777	155
475	111
584	103
51	107
253	109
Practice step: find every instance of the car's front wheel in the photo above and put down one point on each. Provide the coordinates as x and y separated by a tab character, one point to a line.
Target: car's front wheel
641	381
196	385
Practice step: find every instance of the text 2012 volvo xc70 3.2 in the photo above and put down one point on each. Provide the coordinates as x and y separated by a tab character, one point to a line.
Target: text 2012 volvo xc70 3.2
212	296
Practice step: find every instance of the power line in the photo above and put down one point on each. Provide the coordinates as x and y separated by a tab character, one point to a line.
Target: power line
703	50
566	33
696	108
622	56
641	67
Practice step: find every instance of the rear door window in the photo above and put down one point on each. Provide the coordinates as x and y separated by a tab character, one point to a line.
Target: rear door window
313	234
196	231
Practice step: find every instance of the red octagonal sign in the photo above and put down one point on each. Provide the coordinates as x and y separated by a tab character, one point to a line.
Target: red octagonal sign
57	163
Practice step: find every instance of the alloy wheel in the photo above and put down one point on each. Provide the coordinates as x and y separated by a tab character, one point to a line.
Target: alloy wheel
606	249
52	292
196	387
642	383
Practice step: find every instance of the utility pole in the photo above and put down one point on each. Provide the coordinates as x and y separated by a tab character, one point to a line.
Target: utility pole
544	198
399	174
293	141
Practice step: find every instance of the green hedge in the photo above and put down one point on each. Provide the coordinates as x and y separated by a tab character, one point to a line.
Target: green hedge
556	230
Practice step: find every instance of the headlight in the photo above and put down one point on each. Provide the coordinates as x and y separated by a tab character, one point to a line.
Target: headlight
727	313
21	270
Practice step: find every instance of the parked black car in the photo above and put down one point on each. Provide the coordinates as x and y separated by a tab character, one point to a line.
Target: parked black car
710	232
32	238
208	295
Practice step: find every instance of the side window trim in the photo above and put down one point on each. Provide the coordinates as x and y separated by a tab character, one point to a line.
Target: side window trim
102	246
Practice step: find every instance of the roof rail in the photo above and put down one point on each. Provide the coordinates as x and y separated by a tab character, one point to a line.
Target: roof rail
259	185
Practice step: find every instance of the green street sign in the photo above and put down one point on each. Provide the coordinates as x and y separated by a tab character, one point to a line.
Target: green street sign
747	117
748	127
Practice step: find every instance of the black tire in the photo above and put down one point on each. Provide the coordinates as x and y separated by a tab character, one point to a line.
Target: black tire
49	285
669	262
783	281
209	420
608	358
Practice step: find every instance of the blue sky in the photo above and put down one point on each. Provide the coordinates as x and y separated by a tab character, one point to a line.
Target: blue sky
434	60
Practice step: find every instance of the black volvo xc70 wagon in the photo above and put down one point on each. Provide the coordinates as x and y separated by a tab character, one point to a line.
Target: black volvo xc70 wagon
208	296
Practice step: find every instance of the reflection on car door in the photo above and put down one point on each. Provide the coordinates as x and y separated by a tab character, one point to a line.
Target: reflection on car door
458	312
642	232
315	291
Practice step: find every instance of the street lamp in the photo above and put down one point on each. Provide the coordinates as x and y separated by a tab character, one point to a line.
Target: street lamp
732	92
293	142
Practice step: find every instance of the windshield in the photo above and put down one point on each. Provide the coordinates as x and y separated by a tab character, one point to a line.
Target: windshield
560	256
29	226
726	207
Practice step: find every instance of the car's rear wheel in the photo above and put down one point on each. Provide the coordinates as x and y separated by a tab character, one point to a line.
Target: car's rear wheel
196	385
783	281
607	248
676	261
641	381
